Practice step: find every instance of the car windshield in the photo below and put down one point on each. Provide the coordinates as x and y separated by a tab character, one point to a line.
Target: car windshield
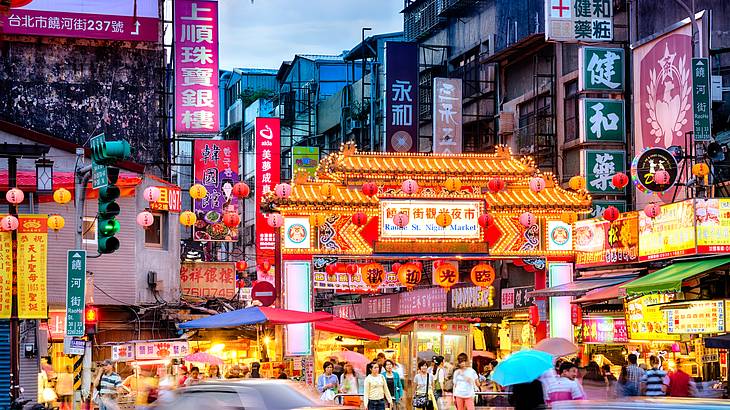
284	396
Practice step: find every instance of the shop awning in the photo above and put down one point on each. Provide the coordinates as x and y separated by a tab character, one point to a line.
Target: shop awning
577	288
254	315
345	327
378	329
670	278
718	342
603	294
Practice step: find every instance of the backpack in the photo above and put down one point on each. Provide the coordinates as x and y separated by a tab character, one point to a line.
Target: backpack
449	381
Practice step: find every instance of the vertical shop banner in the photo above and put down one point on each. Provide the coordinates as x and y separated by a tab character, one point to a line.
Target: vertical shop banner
75	292
701	104
216	168
599	168
99	19
298	296
579	20
601	69
602	120
447	95
6	270
401	96
197	108
305	159
32	256
268	174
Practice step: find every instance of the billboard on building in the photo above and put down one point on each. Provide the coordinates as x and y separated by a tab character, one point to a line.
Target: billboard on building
401	97
578	20
268	174
305	159
196	67
127	20
447	94
216	168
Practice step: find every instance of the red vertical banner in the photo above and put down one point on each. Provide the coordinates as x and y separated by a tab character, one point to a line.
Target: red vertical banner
197	108
216	168
32	262
268	174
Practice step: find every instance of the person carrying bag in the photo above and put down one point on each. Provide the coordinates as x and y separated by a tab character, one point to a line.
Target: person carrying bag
423	397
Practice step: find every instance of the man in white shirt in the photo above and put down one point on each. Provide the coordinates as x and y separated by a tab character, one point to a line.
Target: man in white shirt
565	387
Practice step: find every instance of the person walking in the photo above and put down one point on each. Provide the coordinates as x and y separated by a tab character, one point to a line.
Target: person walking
109	386
652	382
327	383
255	370
350	385
634	374
566	387
65	388
376	389
465	384
195	377
394	382
680	383
423	388
438	376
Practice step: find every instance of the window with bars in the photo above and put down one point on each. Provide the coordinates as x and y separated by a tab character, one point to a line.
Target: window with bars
570	109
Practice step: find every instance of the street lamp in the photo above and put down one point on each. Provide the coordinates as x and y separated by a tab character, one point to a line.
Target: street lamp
44	175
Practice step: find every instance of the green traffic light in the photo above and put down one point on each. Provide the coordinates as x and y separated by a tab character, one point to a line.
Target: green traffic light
109	227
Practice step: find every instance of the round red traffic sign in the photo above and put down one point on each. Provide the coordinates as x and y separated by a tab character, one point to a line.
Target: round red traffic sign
264	292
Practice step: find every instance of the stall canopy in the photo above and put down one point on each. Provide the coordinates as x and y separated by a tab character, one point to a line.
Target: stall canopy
718	342
345	327
255	315
670	278
577	288
602	294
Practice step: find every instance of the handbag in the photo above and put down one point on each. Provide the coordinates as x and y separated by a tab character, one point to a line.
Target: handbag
422	401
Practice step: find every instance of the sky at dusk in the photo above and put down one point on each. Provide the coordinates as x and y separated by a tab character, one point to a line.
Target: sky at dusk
267	32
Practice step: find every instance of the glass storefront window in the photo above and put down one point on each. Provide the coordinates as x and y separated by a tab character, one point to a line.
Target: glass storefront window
453	345
429	341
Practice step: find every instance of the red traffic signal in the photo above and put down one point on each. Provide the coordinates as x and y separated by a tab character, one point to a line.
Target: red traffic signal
91	315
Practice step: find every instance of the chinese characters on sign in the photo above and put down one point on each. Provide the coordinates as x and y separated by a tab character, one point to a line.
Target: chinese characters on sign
401	102
645	320
701	98
123	352
600	166
599	242
196	67
75	292
208	279
346	282
601	120
99	19
601	69
579	20
216	168
712	217
698	317
604	330
668	235
32	255
517	298
170	200
160	350
422	219
268	174
6	270
447	115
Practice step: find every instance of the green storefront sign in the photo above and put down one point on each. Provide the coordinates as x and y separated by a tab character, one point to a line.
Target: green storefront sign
600	167
602	69
602	120
701	98
597	207
75	292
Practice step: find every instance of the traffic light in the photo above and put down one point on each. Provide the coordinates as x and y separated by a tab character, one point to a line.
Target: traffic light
108	152
91	318
107	224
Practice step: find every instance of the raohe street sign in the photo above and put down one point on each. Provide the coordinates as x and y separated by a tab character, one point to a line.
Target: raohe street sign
701	98
75	292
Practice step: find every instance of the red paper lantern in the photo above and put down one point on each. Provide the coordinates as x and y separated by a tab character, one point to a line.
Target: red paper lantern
611	214
241	190
533	314
483	275
409	275
352	269
231	219
620	180
282	190
265	265
241	266
14	196
446	276
537	184
151	194
359	219
653	210
373	274
486	220
576	315
370	188
662	177
496	184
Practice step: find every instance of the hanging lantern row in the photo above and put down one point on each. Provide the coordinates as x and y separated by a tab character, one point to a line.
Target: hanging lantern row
620	180
577	183
485	220
231	219
241	266
409	274
275	220
453	184
401	219
327	190
62	196
282	190
483	275
444	219
611	213
409	186
662	177
496	185
188	218
370	188
241	190
151	194
653	210
198	191
359	219
527	219
56	222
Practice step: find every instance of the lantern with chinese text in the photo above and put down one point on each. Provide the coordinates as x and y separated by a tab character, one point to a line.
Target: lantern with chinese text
188	218
56	222
453	184
359	218
446	276
282	190
483	275
537	184
496	184
62	196
231	219
401	219
577	183
533	315
485	220
9	223
151	194
569	217
409	186
620	180
352	269
395	267
241	266
264	265
370	188
241	190
653	210
145	219
527	219
576	315
662	177
198	191
700	170
610	214
14	196
275	220
327	190
373	274
317	219
444	219
409	275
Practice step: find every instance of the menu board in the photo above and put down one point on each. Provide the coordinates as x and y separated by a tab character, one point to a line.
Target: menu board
712	217
599	242
697	317
670	234
644	319
604	330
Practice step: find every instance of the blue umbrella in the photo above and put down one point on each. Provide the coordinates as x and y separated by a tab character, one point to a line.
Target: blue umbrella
522	367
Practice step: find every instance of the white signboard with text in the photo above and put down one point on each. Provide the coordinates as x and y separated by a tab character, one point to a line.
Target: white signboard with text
422	215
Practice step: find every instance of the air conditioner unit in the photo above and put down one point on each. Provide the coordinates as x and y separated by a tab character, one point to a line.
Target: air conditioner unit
506	122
